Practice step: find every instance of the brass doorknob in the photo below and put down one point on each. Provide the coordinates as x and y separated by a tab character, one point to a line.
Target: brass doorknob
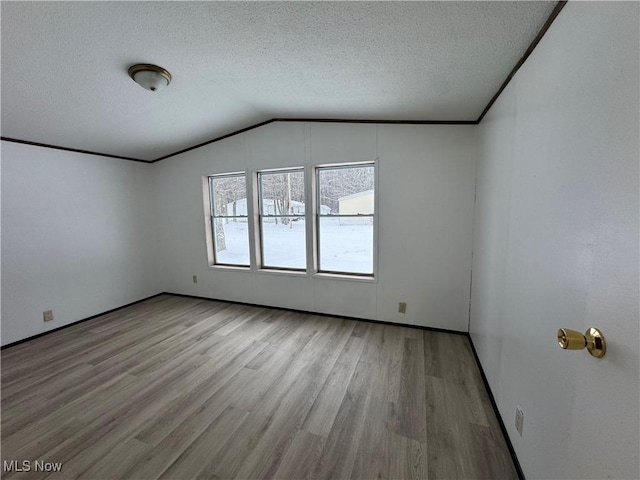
592	340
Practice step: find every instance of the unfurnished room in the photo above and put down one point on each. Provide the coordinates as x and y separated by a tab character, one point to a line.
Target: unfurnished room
320	240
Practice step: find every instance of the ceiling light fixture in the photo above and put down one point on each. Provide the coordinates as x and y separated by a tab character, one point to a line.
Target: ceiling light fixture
150	77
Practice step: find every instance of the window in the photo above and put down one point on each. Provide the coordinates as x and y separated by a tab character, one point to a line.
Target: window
263	225
345	219
229	219
282	219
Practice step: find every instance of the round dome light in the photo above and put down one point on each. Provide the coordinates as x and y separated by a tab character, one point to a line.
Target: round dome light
150	77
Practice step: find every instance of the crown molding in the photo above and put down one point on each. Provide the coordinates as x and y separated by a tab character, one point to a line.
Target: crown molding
559	6
67	149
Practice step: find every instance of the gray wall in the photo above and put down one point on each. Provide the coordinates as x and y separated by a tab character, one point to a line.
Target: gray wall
426	178
556	245
78	237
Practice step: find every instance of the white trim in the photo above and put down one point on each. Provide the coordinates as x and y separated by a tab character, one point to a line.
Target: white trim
276	271
311	178
343	277
316	217
235	268
209	217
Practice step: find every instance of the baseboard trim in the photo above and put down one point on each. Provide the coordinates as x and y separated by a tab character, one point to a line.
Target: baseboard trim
419	327
18	342
507	439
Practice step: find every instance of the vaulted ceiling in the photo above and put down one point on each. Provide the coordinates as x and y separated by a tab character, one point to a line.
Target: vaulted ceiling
235	64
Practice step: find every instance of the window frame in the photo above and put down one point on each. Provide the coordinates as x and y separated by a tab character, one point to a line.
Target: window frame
213	257
318	216
311	216
260	216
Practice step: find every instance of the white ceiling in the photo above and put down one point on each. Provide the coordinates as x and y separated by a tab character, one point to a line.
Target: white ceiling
234	64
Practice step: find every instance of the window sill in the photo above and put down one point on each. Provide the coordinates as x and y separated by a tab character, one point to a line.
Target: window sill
275	271
232	268
352	278
293	273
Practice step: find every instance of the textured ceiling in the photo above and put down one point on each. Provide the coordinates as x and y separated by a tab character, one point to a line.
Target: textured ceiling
234	64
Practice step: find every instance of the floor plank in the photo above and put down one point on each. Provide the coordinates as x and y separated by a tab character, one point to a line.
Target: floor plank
181	388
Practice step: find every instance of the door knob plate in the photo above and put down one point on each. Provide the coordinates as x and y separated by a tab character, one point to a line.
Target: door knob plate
595	343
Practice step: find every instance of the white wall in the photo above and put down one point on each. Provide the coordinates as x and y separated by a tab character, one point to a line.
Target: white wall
556	245
78	237
426	188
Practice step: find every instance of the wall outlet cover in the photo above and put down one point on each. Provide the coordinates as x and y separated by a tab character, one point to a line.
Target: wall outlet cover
47	315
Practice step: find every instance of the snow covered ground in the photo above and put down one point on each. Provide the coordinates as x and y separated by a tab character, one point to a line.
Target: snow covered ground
343	248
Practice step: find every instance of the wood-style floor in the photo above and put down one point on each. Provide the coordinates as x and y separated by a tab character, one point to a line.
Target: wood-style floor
184	388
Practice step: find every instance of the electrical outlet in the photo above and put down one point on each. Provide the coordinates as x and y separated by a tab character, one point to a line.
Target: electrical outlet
47	315
402	307
519	419
195	279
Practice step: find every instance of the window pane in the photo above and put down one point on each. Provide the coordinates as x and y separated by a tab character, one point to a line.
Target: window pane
283	242
231	239
229	195
230	235
283	238
282	193
346	191
346	244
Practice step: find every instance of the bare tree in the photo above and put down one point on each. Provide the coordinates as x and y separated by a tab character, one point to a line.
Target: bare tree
227	191
282	188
